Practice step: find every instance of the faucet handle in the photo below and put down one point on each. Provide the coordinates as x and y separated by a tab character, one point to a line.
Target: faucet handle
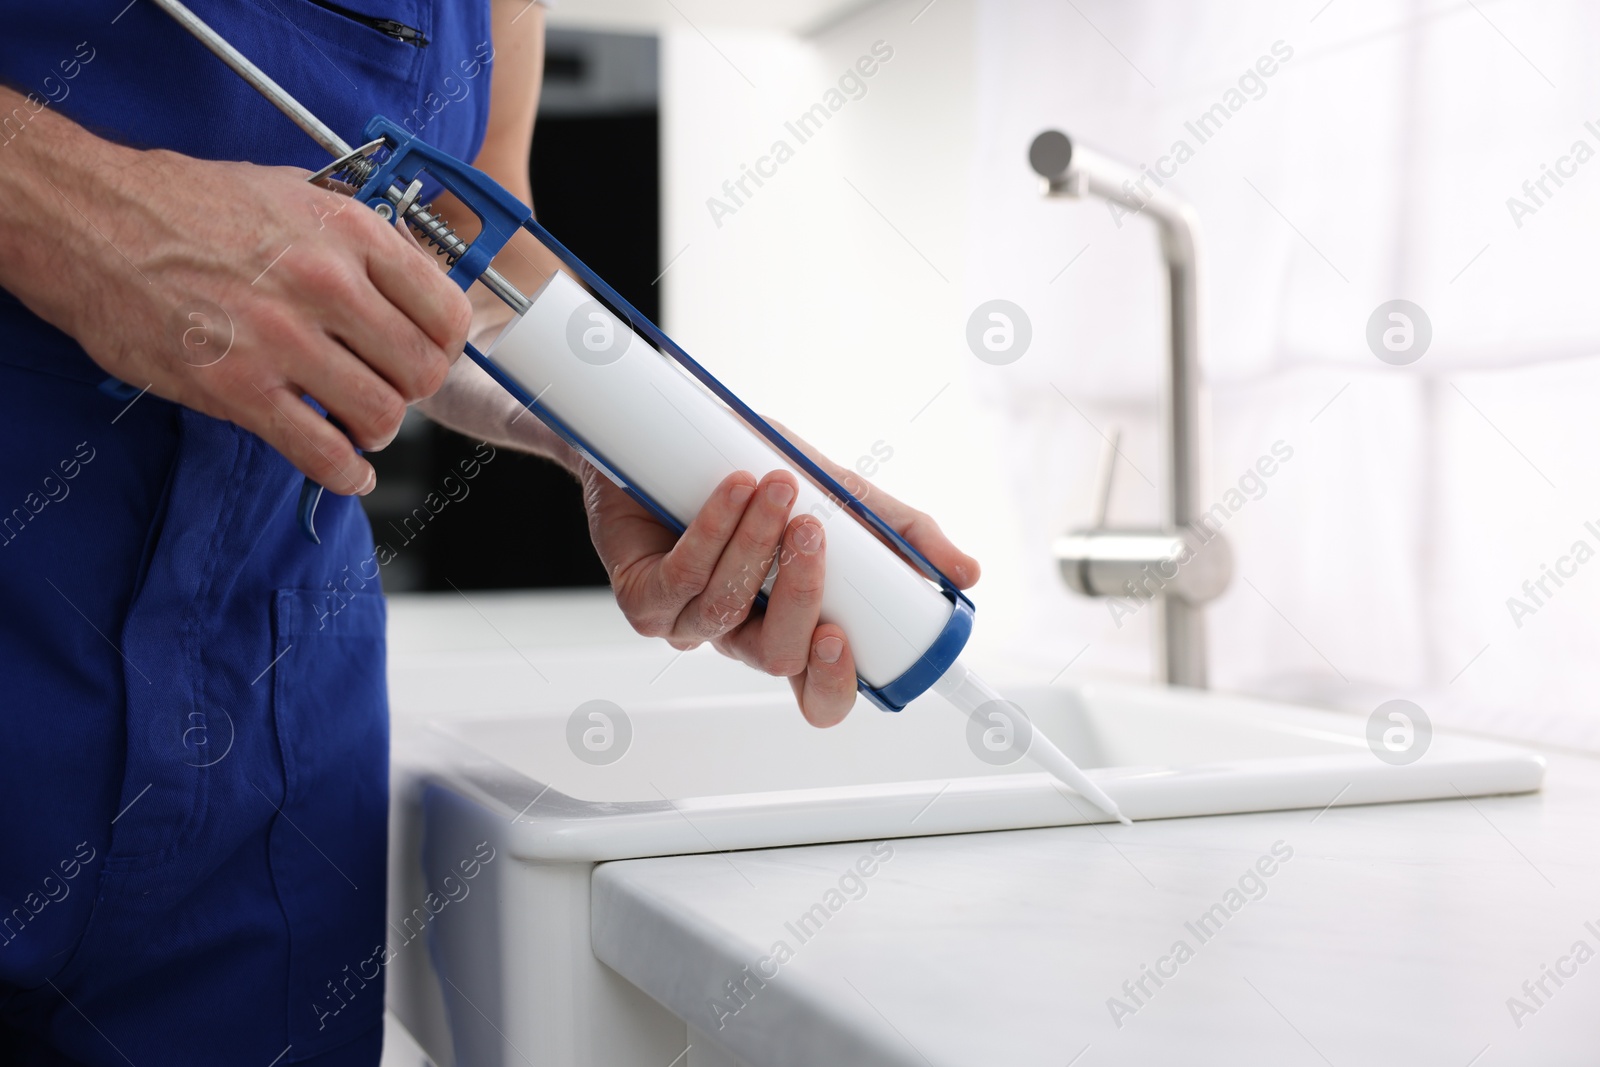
1136	564
1103	477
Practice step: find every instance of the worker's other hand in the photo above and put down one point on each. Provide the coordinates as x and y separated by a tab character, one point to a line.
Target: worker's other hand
702	586
237	289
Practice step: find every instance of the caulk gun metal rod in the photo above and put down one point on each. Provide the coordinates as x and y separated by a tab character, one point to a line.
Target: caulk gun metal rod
276	94
496	283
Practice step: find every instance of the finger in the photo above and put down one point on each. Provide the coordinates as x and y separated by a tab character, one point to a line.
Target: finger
414	284
368	405
652	590
926	537
778	641
915	526
744	562
827	690
391	344
307	440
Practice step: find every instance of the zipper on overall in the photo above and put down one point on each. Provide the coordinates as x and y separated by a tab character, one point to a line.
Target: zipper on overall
388	27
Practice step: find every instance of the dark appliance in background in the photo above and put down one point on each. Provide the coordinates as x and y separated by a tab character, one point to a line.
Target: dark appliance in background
518	521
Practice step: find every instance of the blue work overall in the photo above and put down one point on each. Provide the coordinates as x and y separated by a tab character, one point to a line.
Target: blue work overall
193	718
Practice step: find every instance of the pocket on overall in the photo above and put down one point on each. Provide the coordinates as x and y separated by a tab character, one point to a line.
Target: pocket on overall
328	843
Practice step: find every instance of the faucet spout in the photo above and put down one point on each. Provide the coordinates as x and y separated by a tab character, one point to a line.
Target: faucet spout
1069	170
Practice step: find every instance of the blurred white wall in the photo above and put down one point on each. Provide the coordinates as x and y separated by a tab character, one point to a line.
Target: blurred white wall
1374	163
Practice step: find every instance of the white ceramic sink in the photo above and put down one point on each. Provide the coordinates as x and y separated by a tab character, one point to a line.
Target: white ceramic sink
746	771
509	976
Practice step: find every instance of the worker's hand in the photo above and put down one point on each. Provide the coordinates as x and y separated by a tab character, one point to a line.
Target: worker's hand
306	292
702	586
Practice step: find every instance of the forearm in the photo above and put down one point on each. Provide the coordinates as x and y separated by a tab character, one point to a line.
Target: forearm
58	210
474	404
471	402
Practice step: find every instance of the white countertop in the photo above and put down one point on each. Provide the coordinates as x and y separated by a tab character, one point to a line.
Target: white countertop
1393	935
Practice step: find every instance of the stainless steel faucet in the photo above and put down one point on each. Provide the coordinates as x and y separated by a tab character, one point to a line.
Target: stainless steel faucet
1183	565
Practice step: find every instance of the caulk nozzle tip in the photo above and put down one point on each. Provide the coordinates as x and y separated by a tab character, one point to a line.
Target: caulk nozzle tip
1123	819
